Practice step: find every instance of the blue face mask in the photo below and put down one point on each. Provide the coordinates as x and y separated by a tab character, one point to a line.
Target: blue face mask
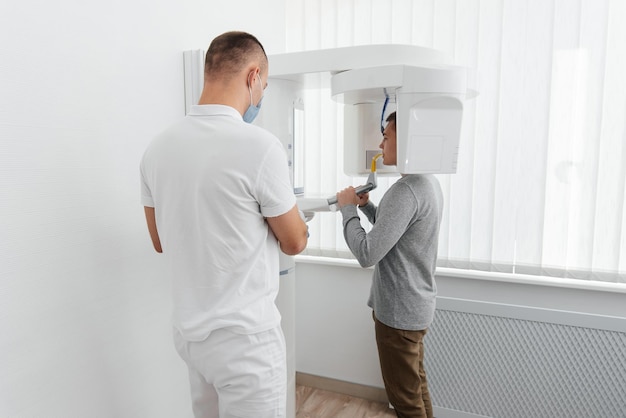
252	111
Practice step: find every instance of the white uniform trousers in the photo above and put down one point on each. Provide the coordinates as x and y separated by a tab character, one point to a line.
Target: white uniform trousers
236	375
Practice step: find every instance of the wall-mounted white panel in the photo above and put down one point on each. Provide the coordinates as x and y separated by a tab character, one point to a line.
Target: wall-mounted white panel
193	67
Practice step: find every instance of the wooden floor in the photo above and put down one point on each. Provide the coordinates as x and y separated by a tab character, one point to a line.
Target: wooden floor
317	403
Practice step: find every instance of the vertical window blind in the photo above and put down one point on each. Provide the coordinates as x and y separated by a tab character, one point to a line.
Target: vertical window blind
540	185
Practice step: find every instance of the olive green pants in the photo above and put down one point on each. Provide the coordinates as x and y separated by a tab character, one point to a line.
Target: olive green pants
401	355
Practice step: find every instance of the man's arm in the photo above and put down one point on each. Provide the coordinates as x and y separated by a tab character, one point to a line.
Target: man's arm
152	228
369	248
290	231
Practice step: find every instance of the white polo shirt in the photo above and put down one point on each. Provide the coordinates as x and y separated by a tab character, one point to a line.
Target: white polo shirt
212	179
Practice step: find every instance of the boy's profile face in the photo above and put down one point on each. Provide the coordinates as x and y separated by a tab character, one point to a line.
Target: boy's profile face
388	144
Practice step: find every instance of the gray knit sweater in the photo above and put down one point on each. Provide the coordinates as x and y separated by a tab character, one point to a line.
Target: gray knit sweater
402	244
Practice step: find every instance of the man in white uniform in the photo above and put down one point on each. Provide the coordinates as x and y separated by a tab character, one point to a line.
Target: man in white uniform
219	205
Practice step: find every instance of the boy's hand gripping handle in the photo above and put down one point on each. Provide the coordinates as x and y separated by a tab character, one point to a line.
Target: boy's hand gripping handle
369	185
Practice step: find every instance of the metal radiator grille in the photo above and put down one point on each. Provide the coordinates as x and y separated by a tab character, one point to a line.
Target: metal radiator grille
505	367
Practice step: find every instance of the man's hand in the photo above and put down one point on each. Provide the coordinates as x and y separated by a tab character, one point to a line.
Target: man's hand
363	198
348	196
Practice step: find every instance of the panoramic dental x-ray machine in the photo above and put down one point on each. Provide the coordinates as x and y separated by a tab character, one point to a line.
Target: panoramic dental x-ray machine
426	93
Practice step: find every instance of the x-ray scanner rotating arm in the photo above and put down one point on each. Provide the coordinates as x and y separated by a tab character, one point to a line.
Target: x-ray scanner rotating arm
428	101
427	93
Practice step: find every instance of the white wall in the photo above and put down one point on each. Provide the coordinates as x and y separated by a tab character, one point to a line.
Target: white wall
84	308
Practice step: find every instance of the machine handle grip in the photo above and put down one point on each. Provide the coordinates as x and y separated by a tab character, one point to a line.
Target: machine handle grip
365	188
359	190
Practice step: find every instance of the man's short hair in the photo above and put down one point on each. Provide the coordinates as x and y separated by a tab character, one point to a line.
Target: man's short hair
392	118
231	51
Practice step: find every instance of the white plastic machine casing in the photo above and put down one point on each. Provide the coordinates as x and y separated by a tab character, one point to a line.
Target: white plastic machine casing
281	114
426	93
428	102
